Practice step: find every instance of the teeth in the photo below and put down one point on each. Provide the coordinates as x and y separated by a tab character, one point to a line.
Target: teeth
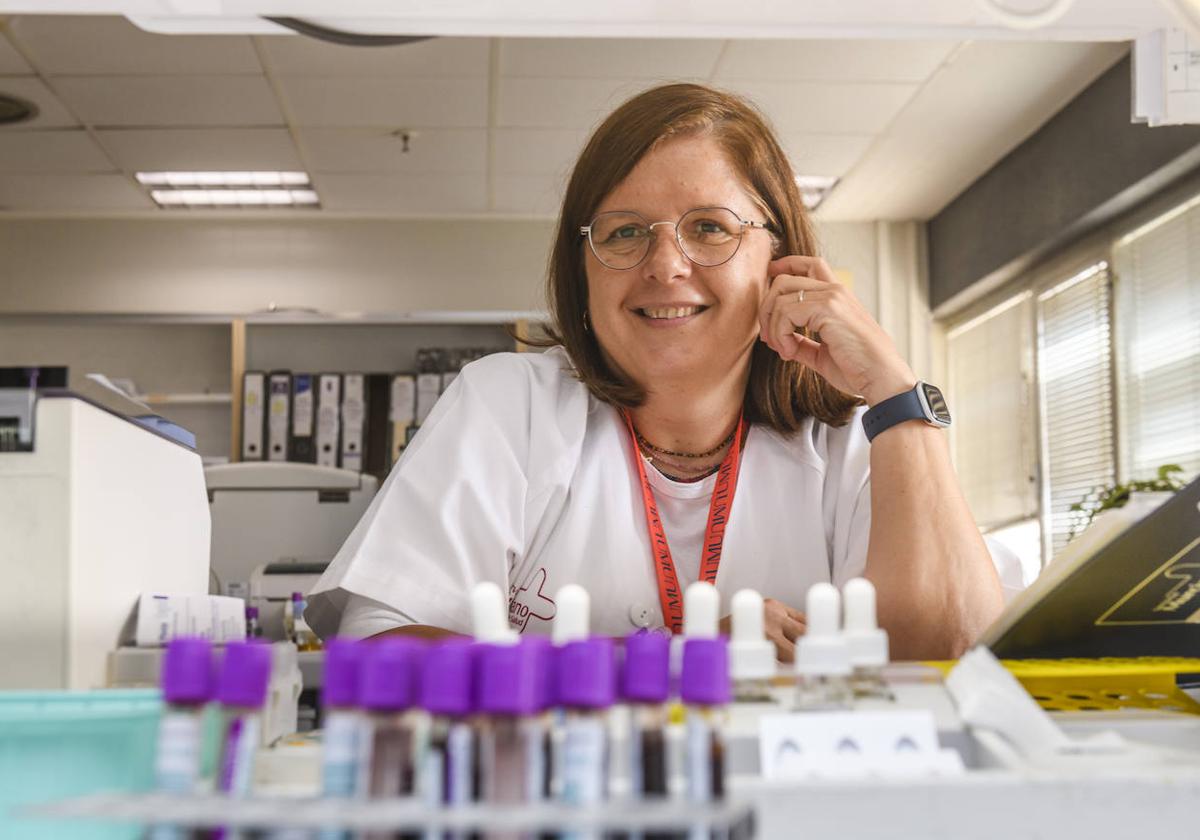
671	312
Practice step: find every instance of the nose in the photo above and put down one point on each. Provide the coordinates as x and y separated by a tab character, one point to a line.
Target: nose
665	261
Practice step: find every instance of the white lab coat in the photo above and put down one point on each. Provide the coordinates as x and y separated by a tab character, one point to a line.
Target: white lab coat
519	476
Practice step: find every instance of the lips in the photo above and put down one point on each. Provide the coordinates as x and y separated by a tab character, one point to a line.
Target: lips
662	313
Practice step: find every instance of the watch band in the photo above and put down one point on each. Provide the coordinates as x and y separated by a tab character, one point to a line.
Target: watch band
893	410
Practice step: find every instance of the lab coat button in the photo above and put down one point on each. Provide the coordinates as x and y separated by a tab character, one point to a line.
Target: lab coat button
640	615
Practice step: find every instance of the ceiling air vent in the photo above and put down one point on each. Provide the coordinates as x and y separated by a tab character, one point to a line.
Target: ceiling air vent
13	110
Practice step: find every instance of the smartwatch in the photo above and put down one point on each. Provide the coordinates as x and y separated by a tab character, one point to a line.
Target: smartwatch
923	402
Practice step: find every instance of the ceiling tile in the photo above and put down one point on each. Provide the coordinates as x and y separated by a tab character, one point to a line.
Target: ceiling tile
827	108
51	151
532	151
439	57
833	61
825	154
103	44
539	195
51	113
11	63
71	193
608	58
970	114
408	193
392	103
376	150
171	100
561	103
186	149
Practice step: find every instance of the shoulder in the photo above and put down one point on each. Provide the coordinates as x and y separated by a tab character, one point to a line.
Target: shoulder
835	451
538	374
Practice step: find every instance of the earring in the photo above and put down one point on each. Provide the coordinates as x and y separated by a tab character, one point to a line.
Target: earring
587	323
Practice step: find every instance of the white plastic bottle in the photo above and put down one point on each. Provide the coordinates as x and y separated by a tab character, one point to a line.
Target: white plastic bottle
822	654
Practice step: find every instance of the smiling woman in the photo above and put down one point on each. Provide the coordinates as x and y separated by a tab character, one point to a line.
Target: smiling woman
692	421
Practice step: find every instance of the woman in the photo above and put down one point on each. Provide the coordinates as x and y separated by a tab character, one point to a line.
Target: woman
688	426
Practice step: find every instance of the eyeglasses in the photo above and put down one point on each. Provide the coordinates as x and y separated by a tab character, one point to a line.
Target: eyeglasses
708	236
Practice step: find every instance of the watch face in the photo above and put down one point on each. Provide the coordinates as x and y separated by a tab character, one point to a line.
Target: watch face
937	403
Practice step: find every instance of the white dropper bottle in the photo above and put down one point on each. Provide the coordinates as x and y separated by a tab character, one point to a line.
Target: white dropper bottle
751	656
489	619
572	613
867	640
822	654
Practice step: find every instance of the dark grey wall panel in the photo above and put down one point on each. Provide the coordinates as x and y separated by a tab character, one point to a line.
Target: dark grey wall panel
1085	166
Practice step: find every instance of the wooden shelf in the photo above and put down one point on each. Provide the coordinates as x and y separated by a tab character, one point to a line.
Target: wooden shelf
184	399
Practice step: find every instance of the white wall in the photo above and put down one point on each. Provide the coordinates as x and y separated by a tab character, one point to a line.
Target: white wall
181	265
185	265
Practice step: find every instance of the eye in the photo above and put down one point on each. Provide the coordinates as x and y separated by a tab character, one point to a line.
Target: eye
626	232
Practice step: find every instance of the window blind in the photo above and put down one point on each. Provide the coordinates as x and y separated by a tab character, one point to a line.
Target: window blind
1157	299
993	436
1075	381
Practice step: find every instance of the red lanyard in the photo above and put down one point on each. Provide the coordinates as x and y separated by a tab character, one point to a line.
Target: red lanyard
669	594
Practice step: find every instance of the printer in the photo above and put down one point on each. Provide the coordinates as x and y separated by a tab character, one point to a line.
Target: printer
276	525
96	507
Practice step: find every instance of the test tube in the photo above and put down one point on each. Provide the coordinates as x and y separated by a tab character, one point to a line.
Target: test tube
344	726
448	772
645	687
388	692
867	641
586	672
241	690
513	736
704	688
187	686
822	655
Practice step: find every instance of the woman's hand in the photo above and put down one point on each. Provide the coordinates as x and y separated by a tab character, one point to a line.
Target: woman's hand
854	354
782	626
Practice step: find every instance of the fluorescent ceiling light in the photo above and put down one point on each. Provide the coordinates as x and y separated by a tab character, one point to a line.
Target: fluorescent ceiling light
814	188
230	189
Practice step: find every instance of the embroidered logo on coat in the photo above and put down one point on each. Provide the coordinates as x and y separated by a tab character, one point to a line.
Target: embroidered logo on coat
529	602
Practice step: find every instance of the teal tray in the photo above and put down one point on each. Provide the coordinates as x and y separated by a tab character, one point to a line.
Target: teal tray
55	745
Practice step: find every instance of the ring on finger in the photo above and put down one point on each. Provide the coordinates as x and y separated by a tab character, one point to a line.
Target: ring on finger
800	296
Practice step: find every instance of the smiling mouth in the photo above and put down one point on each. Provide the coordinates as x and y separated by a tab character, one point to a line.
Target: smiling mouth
665	313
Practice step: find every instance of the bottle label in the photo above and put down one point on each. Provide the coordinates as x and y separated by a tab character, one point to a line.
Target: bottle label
177	764
341	754
584	760
237	757
460	763
699	757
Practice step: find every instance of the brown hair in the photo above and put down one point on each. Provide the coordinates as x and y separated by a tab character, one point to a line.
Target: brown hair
780	393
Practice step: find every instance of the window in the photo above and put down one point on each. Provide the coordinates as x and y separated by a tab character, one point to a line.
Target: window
1158	343
1075	386
990	388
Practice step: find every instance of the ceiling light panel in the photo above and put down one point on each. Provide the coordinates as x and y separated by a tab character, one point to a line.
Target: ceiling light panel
230	189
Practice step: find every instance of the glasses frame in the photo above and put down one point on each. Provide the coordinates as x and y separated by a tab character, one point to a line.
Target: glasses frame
586	232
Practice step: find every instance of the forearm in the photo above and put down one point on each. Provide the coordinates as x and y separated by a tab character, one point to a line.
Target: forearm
416	631
938	588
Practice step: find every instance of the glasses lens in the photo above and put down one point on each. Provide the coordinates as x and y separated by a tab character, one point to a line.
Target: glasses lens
710	235
619	240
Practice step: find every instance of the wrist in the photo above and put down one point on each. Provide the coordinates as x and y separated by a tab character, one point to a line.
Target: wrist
888	387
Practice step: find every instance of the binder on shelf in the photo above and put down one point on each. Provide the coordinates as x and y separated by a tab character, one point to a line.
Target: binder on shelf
329	392
303	446
354	417
278	415
429	387
402	413
376	451
254	384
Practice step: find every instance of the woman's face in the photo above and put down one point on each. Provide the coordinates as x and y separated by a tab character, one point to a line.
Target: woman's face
668	319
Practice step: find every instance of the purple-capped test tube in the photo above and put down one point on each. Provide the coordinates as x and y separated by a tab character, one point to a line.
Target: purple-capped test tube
187	687
242	683
447	775
705	689
512	694
646	688
586	677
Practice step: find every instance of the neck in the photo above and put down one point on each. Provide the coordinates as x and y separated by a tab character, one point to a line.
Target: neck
687	417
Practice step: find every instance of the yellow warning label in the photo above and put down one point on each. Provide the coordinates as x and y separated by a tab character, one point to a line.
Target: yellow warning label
1170	595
